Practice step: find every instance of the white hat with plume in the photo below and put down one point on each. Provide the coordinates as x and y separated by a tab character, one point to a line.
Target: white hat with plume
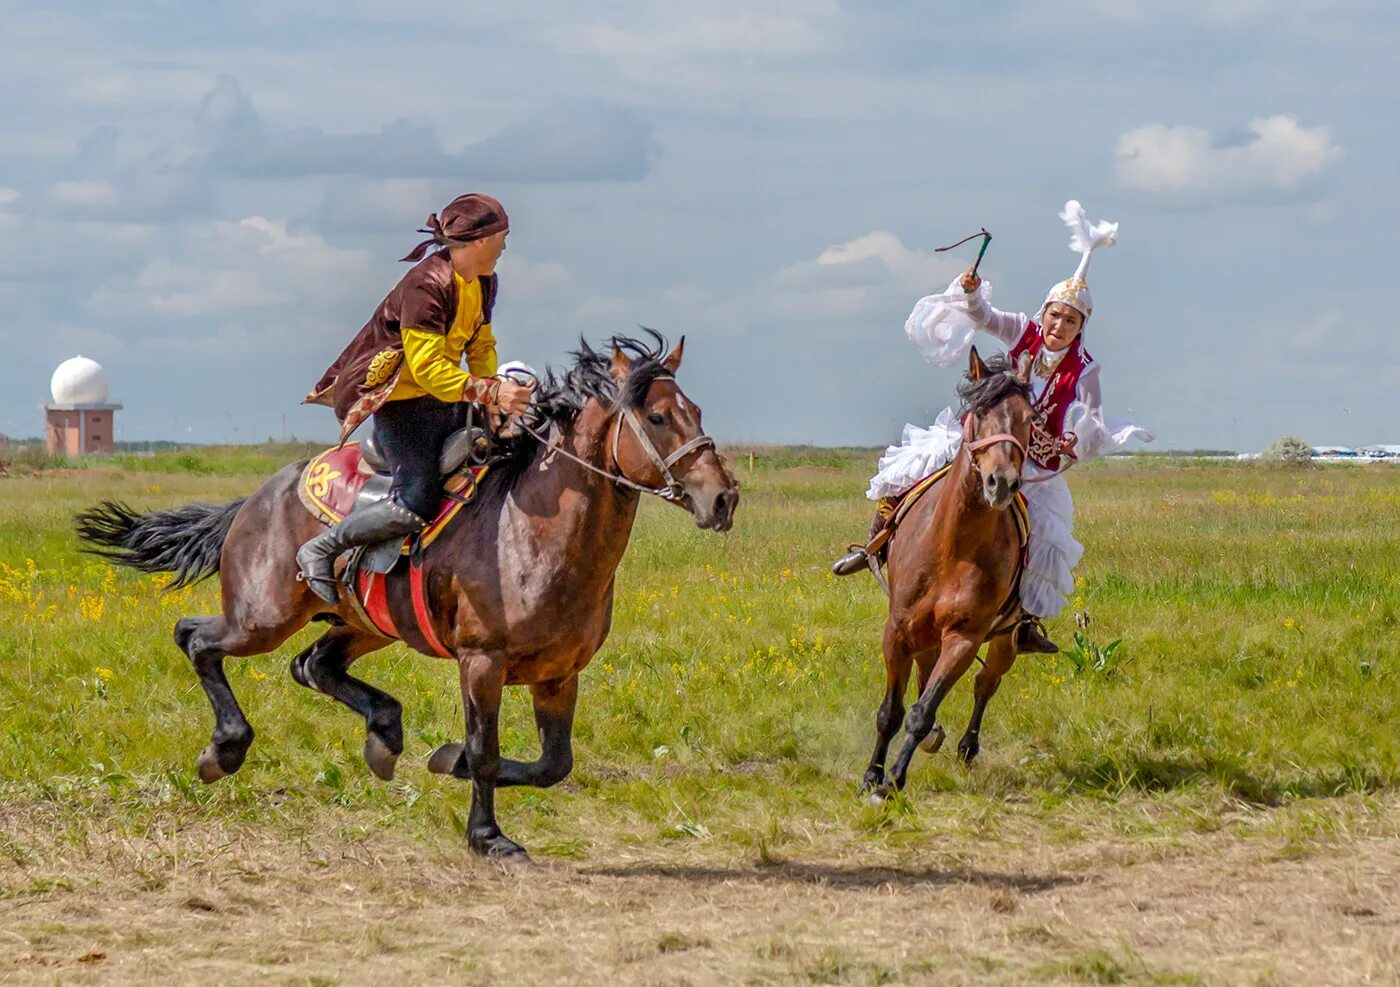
1084	239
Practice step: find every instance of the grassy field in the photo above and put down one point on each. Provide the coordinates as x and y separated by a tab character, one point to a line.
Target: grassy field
1215	803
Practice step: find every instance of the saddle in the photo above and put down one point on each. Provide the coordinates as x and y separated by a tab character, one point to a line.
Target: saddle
355	475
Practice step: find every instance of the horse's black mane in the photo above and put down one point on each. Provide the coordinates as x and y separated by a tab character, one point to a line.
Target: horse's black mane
999	383
561	397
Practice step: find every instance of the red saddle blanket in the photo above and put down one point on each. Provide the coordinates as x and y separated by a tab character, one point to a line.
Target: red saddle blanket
330	483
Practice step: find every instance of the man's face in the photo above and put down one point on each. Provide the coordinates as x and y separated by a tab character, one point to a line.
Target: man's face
491	249
1062	325
479	256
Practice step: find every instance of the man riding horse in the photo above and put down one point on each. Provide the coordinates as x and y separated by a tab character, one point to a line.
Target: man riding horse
1068	425
404	368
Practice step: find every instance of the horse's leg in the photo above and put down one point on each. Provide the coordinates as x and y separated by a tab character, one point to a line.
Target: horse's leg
1001	653
483	678
207	641
324	667
955	654
554	717
924	662
891	715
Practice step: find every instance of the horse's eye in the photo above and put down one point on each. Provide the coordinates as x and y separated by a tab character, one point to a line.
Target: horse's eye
656	418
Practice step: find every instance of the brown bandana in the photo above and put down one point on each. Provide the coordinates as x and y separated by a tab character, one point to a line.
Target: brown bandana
464	219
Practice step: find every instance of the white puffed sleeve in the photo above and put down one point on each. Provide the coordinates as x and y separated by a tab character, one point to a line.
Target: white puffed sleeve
1084	417
942	326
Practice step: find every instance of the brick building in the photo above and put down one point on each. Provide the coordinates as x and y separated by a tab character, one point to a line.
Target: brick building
79	420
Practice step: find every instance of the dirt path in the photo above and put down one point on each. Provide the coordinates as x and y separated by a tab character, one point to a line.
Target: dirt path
208	904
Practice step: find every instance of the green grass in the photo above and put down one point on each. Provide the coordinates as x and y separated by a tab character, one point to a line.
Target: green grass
734	703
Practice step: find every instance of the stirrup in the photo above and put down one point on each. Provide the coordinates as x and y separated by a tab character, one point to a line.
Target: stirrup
1032	639
312	581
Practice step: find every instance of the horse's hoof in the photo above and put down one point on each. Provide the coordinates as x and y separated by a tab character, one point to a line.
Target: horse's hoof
933	743
380	759
501	849
968	751
873	797
210	770
445	758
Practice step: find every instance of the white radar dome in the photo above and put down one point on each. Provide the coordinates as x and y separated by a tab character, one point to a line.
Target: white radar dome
79	381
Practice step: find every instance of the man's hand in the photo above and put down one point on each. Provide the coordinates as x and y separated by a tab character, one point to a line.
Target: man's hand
1067	444
513	398
970	281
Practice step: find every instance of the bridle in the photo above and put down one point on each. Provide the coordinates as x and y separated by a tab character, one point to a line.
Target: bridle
673	491
975	446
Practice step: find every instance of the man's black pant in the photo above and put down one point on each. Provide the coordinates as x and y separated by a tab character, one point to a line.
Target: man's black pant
410	434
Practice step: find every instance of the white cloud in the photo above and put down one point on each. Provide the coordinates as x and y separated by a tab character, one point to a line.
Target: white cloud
227	267
96	194
846	279
677	31
584	140
8	197
1280	156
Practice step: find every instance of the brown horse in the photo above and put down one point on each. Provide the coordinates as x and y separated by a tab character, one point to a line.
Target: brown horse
952	568
520	585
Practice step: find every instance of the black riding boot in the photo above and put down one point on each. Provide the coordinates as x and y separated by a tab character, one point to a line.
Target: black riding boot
377	522
858	558
1031	638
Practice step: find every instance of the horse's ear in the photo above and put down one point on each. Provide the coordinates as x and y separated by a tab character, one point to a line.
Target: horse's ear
672	363
976	369
621	363
1023	368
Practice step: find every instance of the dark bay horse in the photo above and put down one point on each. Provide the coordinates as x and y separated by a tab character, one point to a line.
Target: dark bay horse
952	567
520	585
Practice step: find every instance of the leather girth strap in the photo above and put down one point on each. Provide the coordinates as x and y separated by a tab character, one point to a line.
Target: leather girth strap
371	601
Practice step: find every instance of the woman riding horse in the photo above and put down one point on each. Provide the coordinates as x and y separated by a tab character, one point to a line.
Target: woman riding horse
1068	424
404	368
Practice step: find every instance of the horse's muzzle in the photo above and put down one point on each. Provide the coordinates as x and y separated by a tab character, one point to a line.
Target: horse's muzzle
714	510
1000	490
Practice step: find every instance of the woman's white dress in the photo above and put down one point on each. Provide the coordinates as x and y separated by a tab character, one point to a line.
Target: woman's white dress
942	328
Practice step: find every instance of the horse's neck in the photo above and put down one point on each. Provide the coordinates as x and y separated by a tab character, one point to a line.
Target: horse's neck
590	516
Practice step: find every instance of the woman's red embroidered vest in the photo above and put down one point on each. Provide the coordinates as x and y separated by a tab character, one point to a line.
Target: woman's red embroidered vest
1061	390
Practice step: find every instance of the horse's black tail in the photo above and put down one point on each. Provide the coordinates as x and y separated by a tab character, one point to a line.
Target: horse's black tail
186	540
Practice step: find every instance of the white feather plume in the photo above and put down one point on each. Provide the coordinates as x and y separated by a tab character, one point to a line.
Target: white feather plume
1085	238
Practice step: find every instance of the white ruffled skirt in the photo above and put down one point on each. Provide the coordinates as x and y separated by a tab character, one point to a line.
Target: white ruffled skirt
1053	551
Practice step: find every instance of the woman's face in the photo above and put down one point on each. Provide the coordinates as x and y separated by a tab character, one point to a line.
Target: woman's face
1062	325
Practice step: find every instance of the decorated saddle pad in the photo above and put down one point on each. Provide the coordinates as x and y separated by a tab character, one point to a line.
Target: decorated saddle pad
331	482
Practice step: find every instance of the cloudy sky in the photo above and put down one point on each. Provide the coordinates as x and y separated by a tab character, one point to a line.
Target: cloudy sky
209	199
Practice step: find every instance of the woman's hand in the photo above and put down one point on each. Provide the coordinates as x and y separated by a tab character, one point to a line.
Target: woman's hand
970	281
513	398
